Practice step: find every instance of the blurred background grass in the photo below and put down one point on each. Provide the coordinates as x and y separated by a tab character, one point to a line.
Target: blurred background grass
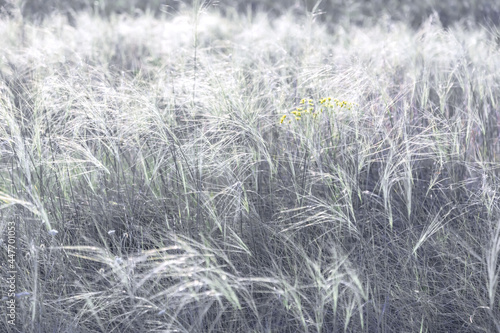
360	12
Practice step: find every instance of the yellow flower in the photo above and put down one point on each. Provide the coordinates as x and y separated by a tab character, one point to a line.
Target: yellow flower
325	104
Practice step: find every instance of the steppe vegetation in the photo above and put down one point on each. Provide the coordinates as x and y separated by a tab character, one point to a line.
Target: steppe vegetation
157	187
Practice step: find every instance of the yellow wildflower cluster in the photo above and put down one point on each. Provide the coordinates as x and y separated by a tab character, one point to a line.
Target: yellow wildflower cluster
308	107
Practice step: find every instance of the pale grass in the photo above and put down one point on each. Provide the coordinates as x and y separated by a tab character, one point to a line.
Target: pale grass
153	146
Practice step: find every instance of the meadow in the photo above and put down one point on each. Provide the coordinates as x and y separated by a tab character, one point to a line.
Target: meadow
239	168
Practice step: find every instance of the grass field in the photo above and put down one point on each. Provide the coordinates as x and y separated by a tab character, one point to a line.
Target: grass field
155	185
